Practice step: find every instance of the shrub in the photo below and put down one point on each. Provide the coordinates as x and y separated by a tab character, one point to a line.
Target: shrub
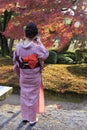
64	59
79	56
85	57
85	50
52	59
70	55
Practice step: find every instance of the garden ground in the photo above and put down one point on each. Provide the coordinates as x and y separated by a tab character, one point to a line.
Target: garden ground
56	77
58	115
65	95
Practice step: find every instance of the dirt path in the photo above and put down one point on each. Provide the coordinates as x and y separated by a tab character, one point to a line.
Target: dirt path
58	116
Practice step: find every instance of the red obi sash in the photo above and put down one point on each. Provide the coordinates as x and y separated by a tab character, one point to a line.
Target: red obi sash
28	62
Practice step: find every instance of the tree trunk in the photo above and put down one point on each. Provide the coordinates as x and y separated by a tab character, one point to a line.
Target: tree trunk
11	43
6	48
2	47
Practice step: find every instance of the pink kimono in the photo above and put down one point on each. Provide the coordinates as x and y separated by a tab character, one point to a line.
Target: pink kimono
31	88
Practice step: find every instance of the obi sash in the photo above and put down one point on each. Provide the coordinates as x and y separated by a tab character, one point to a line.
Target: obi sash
28	62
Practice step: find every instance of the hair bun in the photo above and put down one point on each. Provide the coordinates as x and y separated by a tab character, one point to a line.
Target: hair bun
31	30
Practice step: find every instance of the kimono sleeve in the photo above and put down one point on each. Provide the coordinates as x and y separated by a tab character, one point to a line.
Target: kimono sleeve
42	52
16	68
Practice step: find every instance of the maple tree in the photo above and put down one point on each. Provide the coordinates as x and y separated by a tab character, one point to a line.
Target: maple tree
59	19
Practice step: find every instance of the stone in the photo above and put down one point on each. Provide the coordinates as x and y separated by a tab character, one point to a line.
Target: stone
5	91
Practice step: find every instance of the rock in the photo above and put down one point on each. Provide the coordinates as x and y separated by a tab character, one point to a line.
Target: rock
59	106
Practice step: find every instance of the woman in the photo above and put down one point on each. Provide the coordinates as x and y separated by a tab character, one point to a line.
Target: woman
28	59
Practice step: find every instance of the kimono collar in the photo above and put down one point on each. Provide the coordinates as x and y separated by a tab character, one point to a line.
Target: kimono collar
26	43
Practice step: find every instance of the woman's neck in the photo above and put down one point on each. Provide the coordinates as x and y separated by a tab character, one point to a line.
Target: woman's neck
29	40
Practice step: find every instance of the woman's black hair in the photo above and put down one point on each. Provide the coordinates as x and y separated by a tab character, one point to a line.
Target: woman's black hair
31	30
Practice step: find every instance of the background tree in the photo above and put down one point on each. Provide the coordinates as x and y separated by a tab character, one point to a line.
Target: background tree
58	19
4	19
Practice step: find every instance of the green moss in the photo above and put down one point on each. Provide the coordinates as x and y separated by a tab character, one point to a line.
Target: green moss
57	78
67	96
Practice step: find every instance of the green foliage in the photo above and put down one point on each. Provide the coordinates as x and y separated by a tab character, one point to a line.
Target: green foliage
61	58
85	56
79	56
67	21
66	57
52	59
85	59
70	55
85	50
